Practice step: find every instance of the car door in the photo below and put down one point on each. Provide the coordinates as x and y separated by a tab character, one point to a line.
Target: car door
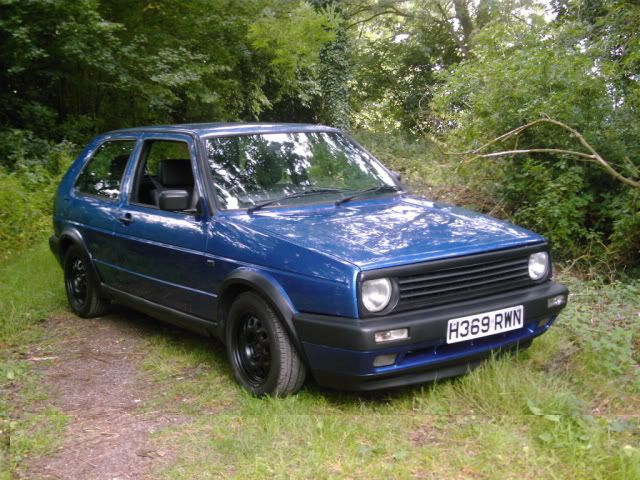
163	251
95	200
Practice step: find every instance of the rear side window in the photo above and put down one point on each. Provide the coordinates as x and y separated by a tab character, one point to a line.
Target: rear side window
102	176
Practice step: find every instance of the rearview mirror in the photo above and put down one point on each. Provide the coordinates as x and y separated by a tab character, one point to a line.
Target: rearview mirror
173	200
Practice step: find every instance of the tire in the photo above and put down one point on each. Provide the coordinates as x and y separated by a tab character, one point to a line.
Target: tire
81	285
263	359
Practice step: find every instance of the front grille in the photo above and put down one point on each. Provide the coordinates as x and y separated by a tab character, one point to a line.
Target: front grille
463	278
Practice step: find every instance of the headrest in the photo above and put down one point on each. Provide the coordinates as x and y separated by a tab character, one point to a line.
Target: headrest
175	173
118	166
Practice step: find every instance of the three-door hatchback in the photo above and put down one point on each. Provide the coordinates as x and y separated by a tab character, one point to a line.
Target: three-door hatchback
300	251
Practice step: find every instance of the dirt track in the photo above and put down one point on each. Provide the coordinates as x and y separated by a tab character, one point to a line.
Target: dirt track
91	373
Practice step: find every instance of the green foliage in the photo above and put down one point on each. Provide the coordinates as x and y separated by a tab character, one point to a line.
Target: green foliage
76	68
462	71
24	213
401	47
395	70
335	69
29	173
556	201
21	149
418	161
516	76
292	36
334	79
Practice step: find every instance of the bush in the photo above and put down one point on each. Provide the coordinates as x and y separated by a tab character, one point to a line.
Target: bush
517	76
29	174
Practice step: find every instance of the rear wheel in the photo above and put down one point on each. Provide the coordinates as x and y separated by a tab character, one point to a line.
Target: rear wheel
81	285
263	359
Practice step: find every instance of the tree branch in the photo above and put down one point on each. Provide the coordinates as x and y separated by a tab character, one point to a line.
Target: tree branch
593	156
534	150
365	20
448	21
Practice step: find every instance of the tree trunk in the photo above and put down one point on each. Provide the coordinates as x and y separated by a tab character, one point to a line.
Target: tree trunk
334	78
334	75
461	9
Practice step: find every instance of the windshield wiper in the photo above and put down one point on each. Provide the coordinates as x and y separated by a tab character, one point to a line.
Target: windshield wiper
381	188
304	193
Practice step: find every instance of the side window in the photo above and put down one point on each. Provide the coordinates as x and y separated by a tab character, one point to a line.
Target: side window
164	165
102	176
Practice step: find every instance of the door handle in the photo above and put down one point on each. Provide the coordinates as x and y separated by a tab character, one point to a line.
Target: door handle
126	219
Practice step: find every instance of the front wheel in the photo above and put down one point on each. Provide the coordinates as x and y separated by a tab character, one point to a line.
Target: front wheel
81	285
262	357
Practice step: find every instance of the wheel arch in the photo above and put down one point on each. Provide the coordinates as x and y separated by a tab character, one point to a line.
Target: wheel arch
72	236
250	280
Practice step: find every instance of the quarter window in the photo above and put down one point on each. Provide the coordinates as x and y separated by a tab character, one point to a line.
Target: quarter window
102	176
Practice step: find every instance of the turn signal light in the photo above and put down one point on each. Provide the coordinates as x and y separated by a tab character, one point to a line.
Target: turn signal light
391	335
556	301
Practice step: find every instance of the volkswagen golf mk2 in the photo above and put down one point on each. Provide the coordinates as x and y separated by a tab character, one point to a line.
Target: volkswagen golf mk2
300	251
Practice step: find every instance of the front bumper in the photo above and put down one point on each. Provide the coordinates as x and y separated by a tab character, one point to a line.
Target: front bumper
340	351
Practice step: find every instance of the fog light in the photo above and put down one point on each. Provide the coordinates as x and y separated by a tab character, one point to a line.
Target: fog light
384	360
542	322
391	335
556	301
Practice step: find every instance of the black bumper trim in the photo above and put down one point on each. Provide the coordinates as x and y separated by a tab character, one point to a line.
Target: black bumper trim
424	325
414	376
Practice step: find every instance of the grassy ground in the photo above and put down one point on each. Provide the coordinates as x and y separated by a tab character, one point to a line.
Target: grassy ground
30	291
566	408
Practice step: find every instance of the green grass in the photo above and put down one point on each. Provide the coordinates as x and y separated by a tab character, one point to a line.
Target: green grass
30	291
565	408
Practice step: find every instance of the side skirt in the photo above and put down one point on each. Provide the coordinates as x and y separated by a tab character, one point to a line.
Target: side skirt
165	314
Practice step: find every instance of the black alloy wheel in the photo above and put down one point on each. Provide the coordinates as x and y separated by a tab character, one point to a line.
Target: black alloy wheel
83	290
77	282
253	350
262	356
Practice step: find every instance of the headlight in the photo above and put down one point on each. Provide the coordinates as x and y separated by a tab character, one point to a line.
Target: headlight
376	294
538	265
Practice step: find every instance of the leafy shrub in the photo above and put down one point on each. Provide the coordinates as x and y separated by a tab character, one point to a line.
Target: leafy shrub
22	148
518	76
30	170
549	201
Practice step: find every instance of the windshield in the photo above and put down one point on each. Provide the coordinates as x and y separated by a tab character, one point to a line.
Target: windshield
252	169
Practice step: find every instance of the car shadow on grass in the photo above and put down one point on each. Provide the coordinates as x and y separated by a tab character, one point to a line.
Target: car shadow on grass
149	327
154	330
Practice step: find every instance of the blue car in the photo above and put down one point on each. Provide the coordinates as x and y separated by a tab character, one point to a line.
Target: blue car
300	251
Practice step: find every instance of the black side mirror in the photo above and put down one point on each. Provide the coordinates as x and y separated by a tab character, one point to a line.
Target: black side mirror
397	176
174	200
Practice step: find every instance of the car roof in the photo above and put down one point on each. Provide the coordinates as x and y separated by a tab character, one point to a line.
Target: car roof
230	128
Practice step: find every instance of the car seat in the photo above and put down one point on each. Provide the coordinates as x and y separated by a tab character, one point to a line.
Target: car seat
173	174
